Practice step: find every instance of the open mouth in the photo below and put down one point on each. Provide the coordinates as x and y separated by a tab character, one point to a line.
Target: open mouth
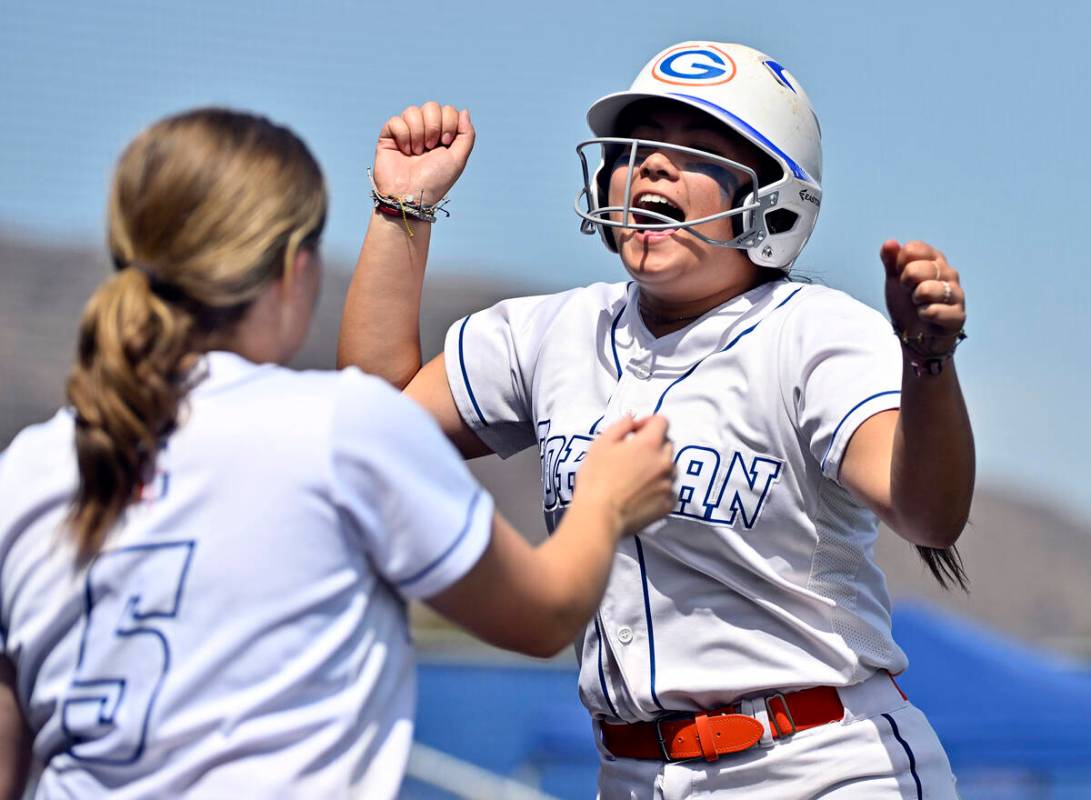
649	201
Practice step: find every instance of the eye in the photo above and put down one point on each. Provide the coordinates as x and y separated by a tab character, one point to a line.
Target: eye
709	147
621	156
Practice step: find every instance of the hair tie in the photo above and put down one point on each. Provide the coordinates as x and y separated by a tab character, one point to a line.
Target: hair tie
161	288
144	270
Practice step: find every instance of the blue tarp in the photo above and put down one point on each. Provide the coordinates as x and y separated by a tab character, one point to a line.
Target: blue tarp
994	703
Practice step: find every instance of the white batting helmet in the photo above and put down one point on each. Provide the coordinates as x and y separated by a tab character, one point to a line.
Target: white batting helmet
753	95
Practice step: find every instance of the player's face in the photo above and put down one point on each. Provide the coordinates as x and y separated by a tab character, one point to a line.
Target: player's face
684	187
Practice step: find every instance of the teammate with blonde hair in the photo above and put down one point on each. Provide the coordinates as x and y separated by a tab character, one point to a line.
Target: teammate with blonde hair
205	559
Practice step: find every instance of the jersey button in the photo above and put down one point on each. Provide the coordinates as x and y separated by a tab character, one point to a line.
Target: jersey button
624	634
642	371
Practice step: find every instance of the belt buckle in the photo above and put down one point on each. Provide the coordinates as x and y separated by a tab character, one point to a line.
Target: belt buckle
773	717
662	742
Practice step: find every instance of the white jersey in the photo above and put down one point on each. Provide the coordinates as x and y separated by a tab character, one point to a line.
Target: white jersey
763	578
243	633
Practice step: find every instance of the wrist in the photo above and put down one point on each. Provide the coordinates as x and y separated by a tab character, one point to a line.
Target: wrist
601	514
927	355
407	205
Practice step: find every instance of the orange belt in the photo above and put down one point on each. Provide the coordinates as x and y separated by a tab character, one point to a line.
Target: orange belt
715	733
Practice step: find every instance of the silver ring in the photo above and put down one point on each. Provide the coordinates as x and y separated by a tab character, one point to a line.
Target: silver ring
946	292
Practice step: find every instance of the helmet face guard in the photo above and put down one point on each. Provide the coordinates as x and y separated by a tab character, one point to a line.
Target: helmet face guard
596	212
748	93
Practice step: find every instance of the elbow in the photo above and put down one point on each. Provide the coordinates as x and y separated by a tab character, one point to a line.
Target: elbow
937	532
535	647
932	518
545	642
544	649
939	539
545	639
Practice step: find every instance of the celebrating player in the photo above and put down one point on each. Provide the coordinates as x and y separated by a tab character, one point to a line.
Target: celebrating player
205	559
744	642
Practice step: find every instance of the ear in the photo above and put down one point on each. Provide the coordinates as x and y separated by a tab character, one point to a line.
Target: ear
301	271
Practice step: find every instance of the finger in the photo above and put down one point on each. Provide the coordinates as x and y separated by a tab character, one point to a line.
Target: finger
916	272
667	454
464	136
653	428
415	120
941	292
618	430
888	254
449	125
397	131
947	317
433	123
916	251
669	498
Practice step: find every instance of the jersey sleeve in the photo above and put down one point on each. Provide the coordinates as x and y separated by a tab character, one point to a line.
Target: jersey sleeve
424	520
490	357
841	364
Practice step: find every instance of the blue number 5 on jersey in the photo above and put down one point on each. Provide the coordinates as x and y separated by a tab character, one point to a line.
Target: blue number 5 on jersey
131	596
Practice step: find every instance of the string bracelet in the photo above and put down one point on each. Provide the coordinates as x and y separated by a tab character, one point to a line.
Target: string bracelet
406	207
926	362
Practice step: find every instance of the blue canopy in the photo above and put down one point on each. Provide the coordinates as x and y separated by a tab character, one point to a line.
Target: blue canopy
996	705
993	702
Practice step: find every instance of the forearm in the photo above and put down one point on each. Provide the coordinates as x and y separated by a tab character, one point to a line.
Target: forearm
14	766
535	600
586	537
932	465
380	324
14	738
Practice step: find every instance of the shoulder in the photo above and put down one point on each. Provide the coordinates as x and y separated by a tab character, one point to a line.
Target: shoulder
815	309
535	311
38	451
330	397
256	392
367	397
38	473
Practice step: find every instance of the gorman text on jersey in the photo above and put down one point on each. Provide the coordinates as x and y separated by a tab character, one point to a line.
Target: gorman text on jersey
721	488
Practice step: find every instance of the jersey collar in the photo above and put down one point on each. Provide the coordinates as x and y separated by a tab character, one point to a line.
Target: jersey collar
710	332
222	368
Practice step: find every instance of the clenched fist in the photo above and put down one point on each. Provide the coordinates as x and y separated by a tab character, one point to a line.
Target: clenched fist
924	297
422	151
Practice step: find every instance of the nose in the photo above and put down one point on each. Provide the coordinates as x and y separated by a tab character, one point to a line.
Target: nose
657	164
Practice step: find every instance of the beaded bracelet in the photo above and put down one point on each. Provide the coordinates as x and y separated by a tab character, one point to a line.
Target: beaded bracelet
926	363
393	205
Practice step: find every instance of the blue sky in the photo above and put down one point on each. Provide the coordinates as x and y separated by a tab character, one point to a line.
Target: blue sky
962	124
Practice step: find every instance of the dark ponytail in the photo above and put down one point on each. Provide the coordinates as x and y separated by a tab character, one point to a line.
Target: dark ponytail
945	565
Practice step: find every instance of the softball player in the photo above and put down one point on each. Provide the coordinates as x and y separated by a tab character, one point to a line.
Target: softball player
205	559
744	643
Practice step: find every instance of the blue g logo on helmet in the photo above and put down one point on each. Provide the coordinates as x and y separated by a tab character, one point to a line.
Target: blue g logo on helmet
694	64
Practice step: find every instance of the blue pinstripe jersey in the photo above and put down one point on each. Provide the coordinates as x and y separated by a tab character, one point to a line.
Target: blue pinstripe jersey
243	633
763	577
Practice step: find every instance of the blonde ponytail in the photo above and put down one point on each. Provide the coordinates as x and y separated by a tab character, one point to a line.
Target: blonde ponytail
206	210
135	356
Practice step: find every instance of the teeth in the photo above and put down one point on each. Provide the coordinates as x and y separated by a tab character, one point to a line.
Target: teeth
654	198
